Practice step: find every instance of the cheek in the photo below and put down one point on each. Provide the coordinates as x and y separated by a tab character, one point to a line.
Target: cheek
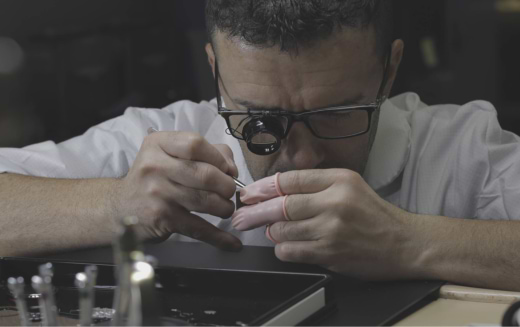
349	153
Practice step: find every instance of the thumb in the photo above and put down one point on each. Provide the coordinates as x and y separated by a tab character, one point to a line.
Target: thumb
228	154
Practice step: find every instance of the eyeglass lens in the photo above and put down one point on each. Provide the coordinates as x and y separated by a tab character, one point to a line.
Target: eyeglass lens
330	124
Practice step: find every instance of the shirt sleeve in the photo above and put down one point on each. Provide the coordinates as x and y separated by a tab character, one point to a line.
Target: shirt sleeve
108	149
499	197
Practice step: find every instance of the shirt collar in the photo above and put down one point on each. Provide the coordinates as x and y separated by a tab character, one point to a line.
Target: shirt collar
391	148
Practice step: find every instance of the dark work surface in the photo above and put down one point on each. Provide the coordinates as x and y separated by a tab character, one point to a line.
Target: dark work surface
359	303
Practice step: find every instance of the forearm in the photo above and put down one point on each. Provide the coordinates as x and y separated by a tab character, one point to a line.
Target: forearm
481	253
40	214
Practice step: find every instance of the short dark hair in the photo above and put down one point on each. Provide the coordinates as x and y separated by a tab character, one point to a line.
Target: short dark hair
292	24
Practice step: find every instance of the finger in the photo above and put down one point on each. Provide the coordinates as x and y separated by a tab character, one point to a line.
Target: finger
293	182
261	214
189	146
310	252
286	231
197	228
228	154
306	206
297	207
202	201
192	174
314	180
261	190
201	176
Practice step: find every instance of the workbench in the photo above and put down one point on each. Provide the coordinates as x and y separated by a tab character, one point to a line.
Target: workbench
358	302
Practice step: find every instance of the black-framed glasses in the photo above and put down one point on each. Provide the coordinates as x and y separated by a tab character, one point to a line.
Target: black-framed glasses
326	123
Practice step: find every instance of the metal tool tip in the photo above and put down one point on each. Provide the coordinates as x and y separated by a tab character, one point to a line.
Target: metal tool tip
239	183
130	220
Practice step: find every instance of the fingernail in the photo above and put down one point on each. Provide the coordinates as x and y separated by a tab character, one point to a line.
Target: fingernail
230	243
236	247
243	193
268	234
237	221
259	191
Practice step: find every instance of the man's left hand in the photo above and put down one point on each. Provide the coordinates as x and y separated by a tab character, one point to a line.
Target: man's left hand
334	219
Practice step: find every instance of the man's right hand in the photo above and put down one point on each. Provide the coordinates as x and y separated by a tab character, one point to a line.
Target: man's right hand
174	174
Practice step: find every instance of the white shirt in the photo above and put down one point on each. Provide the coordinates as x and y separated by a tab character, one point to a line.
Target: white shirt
444	160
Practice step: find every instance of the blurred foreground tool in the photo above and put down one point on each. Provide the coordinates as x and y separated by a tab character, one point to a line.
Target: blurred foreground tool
43	284
135	298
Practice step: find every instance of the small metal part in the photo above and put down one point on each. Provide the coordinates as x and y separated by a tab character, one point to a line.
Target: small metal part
102	314
16	286
35	317
46	301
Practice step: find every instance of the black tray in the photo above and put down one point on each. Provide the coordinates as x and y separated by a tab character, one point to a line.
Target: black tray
199	296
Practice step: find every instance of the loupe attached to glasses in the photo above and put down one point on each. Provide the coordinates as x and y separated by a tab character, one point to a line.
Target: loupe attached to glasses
263	135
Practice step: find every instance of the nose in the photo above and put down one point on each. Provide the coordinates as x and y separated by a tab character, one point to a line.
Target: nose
302	149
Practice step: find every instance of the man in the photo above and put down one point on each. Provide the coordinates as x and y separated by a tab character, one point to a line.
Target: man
376	206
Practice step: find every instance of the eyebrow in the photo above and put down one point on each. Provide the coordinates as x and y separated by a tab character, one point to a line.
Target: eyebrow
255	106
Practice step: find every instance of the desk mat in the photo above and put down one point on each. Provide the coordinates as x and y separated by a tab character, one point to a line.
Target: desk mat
359	303
190	296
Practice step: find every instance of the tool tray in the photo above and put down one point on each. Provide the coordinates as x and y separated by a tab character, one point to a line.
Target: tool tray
188	296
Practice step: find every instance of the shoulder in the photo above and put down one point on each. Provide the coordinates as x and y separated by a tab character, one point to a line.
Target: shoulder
455	151
418	111
203	108
475	121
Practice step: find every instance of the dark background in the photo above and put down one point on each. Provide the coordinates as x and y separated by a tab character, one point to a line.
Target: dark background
66	65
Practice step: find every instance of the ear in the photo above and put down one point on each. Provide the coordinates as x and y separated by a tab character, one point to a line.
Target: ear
211	57
395	61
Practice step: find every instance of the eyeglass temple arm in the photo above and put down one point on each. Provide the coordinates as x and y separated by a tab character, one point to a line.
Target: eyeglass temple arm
217	86
380	95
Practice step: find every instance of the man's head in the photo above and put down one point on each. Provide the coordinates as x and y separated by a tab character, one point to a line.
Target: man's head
301	55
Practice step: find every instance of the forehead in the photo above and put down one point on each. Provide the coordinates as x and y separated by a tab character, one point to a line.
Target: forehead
345	61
